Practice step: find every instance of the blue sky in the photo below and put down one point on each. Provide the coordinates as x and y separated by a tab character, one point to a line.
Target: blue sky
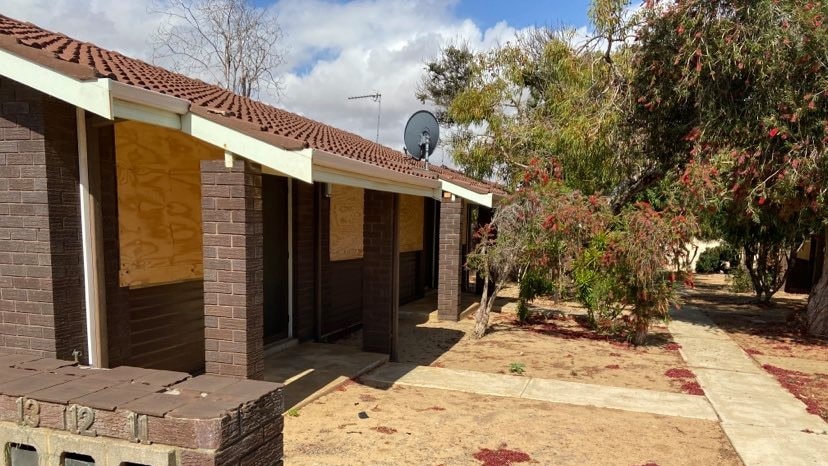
522	13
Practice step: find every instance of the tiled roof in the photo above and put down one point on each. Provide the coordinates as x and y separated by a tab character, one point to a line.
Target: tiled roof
288	130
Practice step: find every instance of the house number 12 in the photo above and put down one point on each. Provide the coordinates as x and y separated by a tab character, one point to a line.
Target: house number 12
79	420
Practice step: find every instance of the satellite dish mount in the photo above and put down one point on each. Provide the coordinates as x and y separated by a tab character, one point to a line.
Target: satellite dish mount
422	134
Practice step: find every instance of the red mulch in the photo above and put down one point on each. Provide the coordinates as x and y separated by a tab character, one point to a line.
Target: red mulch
501	457
344	386
671	346
612	366
692	388
680	374
384	430
798	383
753	352
432	408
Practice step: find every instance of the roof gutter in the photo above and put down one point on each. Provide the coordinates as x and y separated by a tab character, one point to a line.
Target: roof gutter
337	169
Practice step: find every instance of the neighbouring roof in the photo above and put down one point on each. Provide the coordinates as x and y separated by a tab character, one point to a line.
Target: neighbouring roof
84	61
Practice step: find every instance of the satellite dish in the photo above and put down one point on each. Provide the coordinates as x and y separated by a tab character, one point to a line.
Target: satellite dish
422	134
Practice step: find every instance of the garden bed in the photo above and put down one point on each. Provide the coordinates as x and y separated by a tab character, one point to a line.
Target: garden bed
404	425
556	344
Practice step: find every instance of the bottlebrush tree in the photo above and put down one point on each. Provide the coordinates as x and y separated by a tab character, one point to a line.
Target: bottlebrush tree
739	86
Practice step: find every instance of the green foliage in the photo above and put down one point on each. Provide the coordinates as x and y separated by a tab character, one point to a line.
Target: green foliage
517	368
293	412
534	282
536	98
738	88
617	262
712	260
595	287
739	280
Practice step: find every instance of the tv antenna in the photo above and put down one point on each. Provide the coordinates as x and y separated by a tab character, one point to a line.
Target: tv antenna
376	97
421	136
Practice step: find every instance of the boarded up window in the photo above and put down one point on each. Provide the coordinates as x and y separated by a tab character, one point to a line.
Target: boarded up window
347	210
159	203
411	223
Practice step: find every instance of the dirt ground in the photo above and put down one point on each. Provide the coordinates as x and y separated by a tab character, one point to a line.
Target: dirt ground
771	335
554	346
431	427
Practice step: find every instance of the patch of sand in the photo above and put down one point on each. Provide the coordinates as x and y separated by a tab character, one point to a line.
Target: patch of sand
432	427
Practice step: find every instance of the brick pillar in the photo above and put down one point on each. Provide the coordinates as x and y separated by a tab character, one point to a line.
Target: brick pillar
231	205
304	259
380	298
448	288
41	288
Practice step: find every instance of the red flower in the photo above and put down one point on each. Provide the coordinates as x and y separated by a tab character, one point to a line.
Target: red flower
761	200
773	132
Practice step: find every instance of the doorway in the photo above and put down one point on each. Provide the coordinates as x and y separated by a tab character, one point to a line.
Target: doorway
276	251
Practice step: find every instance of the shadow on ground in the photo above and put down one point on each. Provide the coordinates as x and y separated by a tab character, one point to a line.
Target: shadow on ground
782	319
314	368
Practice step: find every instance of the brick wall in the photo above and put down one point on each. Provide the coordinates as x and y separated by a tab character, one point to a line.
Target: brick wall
304	257
120	416
381	271
41	293
233	268
448	288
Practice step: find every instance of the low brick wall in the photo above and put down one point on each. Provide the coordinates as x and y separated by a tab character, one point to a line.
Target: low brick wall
135	416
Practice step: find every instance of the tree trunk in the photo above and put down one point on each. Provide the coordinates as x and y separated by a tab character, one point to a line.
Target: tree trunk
818	303
481	317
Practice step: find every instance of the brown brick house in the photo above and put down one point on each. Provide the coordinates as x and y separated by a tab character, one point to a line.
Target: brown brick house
154	220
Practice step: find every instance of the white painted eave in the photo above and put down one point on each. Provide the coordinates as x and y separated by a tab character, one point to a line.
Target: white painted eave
92	95
486	200
293	163
337	169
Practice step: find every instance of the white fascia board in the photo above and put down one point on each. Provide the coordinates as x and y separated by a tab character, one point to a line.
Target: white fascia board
92	96
326	175
295	164
336	169
481	199
148	98
145	114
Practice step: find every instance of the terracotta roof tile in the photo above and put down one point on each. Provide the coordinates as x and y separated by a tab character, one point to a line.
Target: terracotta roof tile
271	124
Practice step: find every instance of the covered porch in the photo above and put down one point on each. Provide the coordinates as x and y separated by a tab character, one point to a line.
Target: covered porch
193	246
213	263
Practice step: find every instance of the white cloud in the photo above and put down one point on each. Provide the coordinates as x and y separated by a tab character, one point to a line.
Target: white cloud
334	50
369	46
124	26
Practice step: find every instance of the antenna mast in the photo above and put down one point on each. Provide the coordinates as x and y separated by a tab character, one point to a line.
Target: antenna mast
376	97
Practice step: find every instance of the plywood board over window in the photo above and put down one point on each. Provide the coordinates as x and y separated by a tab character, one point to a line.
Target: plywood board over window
159	203
412	219
347	211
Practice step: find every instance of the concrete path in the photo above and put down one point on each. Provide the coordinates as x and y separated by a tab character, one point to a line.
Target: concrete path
554	391
764	421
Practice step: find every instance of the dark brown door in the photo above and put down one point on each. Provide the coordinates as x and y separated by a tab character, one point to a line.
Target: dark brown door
275	235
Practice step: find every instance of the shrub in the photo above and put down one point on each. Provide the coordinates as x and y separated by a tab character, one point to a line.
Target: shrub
713	260
739	280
